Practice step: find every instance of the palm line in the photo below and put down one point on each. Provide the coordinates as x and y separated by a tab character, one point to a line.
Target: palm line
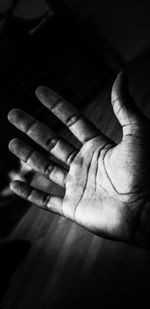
87	175
109	178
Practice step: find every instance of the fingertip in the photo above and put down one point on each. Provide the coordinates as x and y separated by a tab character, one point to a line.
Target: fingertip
21	188
116	93
12	115
48	97
121	81
41	92
38	91
12	144
120	74
13	186
118	78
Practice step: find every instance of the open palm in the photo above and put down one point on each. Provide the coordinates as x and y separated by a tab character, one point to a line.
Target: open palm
106	186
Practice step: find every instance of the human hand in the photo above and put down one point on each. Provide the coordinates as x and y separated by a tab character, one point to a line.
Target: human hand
106	186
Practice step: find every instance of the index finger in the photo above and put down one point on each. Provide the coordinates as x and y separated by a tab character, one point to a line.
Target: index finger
80	126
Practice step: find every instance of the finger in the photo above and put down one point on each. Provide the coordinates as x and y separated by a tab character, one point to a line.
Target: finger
38	162
41	183
42	135
82	129
37	197
123	104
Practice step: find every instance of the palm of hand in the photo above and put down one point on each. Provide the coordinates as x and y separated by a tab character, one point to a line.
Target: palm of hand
107	184
102	183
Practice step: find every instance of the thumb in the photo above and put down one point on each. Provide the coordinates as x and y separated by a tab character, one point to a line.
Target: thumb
123	104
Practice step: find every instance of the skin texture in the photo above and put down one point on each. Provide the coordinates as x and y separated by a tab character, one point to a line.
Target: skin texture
106	186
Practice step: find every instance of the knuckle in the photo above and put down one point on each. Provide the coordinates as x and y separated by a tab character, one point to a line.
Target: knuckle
46	201
30	126
51	143
48	171
73	119
71	157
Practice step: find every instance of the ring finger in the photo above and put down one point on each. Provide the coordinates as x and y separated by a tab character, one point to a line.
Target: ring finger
42	135
38	162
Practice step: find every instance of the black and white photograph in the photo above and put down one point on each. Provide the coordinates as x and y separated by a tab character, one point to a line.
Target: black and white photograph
74	154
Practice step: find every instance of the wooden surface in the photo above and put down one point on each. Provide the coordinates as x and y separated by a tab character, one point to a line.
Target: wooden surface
68	267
